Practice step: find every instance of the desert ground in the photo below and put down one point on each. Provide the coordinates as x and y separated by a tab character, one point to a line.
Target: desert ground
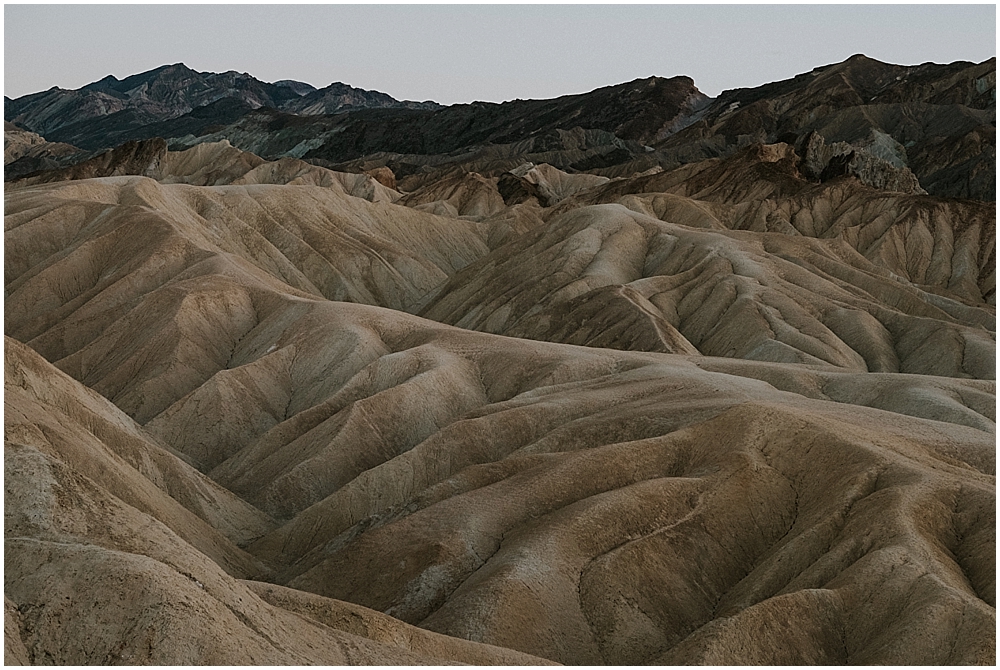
727	401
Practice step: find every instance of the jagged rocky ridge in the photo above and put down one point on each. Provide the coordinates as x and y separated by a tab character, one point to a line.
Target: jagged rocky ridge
106	112
934	121
937	121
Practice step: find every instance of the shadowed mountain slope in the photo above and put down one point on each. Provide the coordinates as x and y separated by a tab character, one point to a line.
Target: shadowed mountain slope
25	152
602	128
211	164
935	123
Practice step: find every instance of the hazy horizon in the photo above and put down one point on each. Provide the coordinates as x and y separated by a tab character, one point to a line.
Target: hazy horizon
463	53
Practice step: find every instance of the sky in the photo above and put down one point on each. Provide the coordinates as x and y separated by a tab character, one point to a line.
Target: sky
462	53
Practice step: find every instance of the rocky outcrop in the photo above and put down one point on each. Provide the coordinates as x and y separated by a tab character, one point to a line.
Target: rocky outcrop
18	142
384	176
822	162
939	119
131	158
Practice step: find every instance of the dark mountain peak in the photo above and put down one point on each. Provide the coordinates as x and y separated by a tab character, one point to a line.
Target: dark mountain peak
164	73
340	87
232	75
110	79
299	87
678	79
174	68
338	97
683	79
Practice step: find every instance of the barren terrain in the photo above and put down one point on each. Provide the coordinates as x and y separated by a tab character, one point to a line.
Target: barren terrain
262	411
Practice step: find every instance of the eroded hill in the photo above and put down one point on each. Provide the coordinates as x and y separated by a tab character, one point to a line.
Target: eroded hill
735	411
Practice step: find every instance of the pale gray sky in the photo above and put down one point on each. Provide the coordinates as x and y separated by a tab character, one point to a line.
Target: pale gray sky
461	53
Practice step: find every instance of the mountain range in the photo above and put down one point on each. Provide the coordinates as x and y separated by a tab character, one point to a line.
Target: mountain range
171	91
635	376
937	121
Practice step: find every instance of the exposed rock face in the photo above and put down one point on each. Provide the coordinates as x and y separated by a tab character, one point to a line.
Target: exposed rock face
17	142
131	158
823	162
515	189
384	176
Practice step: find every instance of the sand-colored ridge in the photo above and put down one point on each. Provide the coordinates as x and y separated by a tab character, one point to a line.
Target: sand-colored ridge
605	275
374	625
95	572
944	244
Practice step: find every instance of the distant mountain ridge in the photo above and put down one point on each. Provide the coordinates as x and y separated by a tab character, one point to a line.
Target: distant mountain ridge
170	91
927	127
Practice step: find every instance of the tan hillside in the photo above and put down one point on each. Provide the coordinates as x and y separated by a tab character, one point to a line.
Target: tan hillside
102	561
579	504
609	276
944	244
468	194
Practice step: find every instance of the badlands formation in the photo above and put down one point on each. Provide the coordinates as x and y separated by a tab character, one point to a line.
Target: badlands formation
727	401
